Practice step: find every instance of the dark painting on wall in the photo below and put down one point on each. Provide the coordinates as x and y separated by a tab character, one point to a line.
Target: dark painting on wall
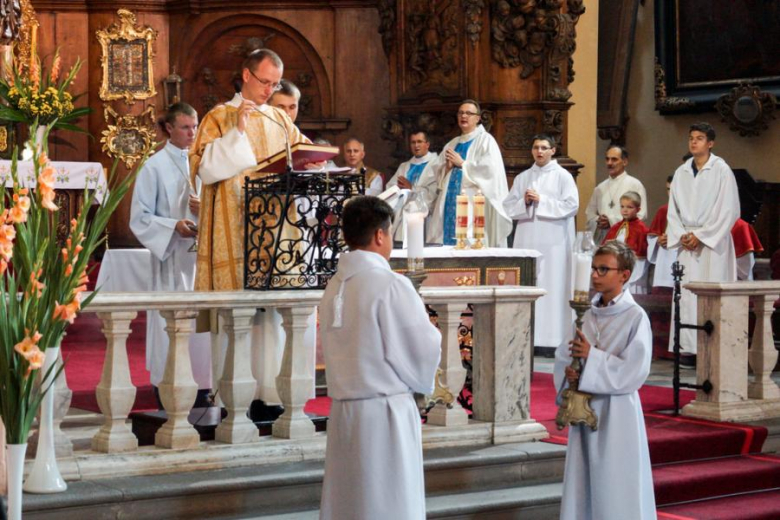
704	48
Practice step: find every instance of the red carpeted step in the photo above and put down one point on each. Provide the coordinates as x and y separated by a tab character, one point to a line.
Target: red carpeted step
695	480
763	505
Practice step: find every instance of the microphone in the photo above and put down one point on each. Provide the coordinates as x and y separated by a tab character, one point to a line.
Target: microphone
286	138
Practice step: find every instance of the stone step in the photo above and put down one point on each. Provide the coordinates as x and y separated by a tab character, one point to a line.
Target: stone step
285	489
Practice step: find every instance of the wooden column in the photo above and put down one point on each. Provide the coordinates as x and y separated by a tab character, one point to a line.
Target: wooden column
115	392
178	388
453	373
237	386
296	377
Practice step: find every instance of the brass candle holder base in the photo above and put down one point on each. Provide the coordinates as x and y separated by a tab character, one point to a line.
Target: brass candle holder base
478	242
461	244
575	405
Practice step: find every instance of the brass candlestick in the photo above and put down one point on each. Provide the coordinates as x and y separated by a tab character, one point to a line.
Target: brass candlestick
575	405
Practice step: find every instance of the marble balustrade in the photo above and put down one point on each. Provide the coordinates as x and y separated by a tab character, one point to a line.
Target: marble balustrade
502	366
724	357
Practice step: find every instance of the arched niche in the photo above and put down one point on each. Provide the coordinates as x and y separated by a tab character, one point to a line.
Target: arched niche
213	59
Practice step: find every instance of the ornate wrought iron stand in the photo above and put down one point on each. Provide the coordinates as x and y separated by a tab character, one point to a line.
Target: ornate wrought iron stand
293	228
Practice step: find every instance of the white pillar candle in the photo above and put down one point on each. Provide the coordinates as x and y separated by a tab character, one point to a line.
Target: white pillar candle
582	272
415	225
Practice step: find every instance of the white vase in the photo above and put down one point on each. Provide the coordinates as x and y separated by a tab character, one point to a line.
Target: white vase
15	471
45	475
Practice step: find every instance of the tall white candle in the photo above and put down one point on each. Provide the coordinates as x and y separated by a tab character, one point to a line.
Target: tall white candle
415	225
582	272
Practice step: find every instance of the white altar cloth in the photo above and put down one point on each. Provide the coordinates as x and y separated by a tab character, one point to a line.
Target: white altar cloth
70	176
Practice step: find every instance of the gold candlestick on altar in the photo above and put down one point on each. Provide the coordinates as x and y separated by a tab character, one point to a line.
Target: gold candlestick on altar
461	220
575	405
479	220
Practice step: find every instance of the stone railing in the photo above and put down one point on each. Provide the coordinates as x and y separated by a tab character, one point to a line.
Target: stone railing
502	371
723	356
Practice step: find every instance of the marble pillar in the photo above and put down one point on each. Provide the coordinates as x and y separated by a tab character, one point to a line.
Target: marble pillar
502	370
453	374
115	392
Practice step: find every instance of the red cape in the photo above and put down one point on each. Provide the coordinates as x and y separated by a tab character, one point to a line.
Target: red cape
658	226
636	237
745	239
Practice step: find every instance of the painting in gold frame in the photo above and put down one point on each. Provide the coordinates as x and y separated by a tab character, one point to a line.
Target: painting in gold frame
127	52
128	137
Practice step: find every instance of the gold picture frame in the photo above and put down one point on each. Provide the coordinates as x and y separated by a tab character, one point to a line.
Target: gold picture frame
127	52
128	137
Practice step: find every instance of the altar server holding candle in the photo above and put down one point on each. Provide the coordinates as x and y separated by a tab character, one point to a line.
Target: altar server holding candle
544	200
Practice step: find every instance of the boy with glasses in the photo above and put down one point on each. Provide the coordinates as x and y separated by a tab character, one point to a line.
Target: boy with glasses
608	474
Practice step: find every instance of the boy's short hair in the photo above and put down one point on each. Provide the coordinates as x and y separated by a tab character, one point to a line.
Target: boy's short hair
670	178
633	197
544	137
704	128
625	256
174	111
363	216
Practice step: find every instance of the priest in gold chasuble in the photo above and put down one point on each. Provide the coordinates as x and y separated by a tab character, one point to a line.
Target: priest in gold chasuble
231	140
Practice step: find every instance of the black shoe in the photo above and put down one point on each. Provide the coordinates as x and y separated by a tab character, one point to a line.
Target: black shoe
261	412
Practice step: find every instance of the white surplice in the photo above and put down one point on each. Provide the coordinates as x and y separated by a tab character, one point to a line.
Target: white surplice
160	200
402	171
706	205
608	474
483	169
379	347
548	227
606	201
662	258
223	158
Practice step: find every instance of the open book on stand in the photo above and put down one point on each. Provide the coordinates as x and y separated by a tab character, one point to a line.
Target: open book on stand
302	154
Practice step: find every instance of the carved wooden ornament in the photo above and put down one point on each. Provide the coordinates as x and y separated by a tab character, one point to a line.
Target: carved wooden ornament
128	137
747	109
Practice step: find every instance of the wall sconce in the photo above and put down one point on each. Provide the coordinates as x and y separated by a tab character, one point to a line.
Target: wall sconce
172	88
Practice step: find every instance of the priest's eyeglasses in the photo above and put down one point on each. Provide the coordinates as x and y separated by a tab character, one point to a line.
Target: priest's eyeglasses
466	113
602	270
275	87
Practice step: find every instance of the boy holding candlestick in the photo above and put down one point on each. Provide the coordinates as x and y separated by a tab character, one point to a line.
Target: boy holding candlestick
608	474
632	232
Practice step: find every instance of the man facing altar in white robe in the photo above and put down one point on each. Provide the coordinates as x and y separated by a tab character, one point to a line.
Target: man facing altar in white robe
544	202
607	475
409	172
232	138
379	347
603	210
163	217
703	206
471	162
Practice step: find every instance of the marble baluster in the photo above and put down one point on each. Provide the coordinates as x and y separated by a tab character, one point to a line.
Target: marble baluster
763	354
237	386
502	370
453	373
296	377
178	388
115	392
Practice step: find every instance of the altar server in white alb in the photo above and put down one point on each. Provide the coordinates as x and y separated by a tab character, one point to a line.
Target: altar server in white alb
409	172
603	210
608	474
163	217
703	206
471	162
544	201
379	347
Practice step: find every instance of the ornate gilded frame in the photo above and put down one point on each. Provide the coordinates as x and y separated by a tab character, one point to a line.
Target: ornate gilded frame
127	52
128	137
690	74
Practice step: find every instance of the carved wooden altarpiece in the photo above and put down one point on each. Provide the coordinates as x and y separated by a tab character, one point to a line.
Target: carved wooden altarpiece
514	57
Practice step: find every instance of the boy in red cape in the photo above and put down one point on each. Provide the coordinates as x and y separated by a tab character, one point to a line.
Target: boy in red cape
632	232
